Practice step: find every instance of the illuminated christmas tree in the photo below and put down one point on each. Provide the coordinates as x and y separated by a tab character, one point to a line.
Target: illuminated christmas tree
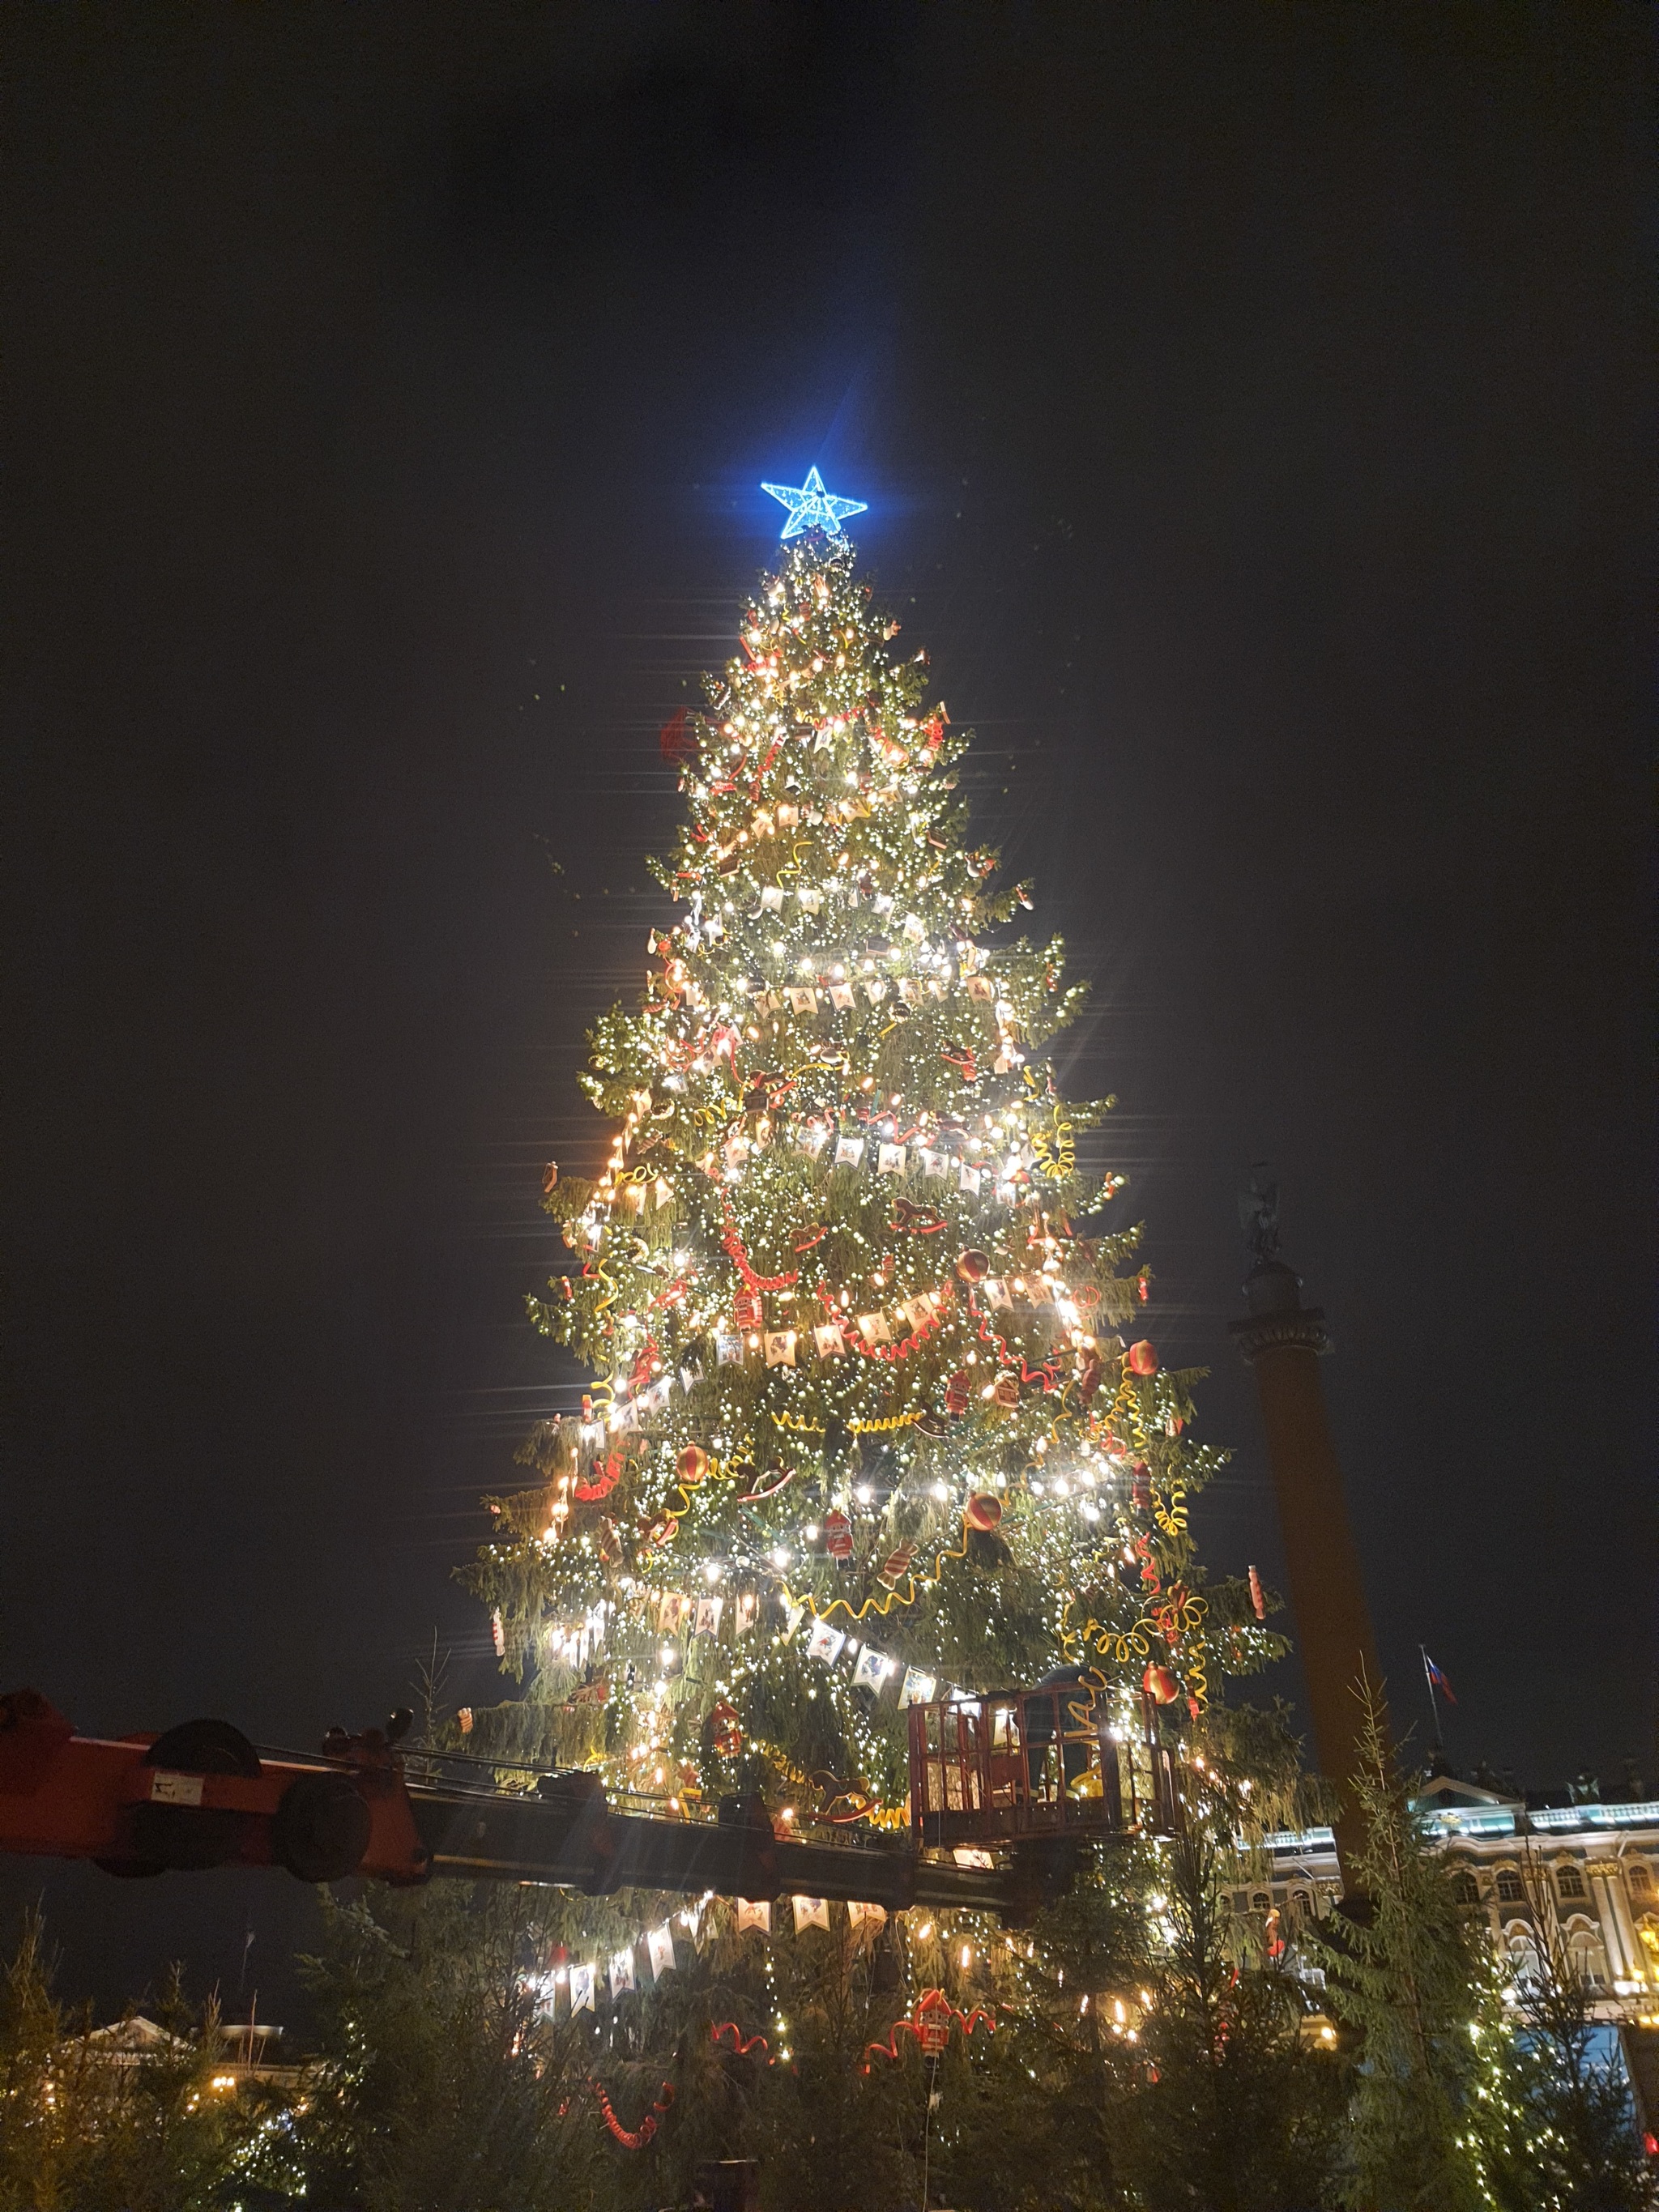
873	1417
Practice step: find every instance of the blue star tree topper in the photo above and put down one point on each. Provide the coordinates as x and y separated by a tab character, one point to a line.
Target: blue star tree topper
813	508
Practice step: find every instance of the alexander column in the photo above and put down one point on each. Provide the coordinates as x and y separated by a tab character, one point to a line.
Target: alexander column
1283	1340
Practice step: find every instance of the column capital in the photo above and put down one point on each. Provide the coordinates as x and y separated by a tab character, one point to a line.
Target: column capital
1302	1327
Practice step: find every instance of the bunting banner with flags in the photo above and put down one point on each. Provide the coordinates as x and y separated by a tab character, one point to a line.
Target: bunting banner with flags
824	1642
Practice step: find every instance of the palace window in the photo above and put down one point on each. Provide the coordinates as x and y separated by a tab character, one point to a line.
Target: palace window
1641	1881
1569	1881
1510	1887
1466	1889
1589	1959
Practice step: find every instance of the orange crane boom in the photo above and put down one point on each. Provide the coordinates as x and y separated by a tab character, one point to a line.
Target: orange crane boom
201	1795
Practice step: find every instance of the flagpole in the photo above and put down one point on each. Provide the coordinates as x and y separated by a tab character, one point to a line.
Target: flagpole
1434	1707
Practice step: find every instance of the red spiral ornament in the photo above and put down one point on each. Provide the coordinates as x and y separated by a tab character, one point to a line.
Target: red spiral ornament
634	2138
739	1258
930	2025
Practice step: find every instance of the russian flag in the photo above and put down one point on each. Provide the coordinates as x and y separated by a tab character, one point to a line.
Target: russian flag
1439	1681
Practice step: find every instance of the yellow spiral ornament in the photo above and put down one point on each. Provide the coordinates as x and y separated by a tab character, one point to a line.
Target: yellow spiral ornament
883	1604
1172	1521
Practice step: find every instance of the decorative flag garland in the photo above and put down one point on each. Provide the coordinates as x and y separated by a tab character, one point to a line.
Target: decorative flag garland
621	1973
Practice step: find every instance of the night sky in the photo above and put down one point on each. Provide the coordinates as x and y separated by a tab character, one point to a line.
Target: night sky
1254	410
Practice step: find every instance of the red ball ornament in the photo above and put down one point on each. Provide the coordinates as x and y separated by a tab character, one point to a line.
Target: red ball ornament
1160	1685
956	1392
692	1464
973	1266
1143	1358
982	1510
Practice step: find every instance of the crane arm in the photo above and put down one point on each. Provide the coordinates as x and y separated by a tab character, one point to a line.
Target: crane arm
201	1796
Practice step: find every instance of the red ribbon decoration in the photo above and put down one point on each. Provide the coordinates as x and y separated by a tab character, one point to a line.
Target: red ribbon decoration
930	2024
733	1244
771	754
606	1482
1048	1373
741	2048
634	2138
674	740
901	1349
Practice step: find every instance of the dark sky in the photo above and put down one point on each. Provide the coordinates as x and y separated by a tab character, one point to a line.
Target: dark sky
1253	409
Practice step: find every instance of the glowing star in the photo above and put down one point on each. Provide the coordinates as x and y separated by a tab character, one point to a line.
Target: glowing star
812	507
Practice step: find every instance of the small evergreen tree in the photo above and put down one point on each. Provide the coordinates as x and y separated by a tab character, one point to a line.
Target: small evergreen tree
1410	1974
438	2082
1226	2106
40	2092
81	2133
